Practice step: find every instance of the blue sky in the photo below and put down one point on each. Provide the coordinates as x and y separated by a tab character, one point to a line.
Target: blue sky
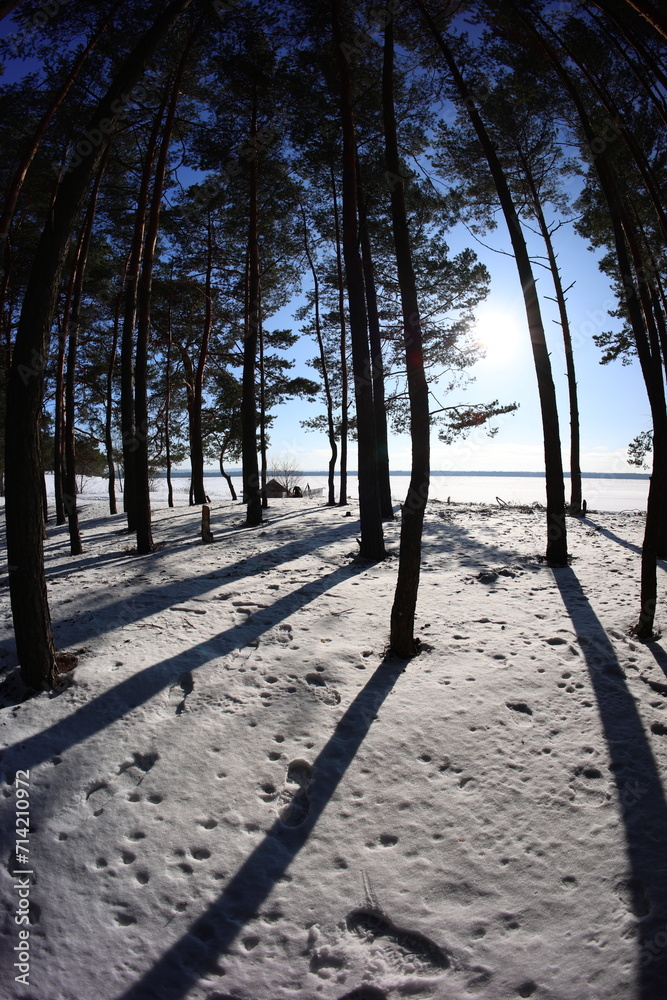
612	398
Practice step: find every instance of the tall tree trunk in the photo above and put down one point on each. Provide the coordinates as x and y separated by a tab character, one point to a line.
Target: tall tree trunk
556	551
45	502
262	414
251	488
127	413
402	639
32	620
197	444
372	540
344	394
630	264
76	547
108	416
650	13
575	449
59	435
331	430
167	400
145	544
377	365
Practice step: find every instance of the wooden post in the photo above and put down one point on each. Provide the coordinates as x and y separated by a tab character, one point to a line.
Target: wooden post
206	535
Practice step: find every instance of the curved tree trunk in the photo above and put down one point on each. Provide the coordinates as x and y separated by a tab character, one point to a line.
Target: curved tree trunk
402	639
556	550
226	476
32	620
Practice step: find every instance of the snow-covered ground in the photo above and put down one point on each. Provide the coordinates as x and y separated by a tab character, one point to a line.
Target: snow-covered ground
238	796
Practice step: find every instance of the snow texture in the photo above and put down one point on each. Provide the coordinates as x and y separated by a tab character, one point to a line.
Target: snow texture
238	796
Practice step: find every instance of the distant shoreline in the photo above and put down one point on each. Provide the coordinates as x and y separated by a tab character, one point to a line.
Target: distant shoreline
236	474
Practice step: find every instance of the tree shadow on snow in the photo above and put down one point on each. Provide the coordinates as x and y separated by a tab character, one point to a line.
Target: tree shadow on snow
198	951
97	714
642	801
96	614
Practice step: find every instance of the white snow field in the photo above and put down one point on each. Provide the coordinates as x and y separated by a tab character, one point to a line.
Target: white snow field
236	795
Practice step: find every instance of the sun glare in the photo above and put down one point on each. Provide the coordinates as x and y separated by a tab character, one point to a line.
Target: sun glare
500	334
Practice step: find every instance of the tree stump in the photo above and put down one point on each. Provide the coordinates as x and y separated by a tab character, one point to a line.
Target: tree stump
206	535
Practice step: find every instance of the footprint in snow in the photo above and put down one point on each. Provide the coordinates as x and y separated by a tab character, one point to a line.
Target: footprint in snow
132	771
322	690
410	952
589	786
295	794
522	712
139	766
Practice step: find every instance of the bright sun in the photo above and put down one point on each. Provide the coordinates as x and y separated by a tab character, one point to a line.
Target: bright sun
501	334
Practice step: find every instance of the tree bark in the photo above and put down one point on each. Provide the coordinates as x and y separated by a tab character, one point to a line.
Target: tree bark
226	476
575	449
19	176
377	365
556	550
629	256
59	433
76	547
650	13
372	540
32	620
402	638
196	442
251	490
108	419
127	412
331	430
167	400
145	544
344	403
262	416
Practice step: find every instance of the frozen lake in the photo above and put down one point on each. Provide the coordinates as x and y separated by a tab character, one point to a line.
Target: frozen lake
600	494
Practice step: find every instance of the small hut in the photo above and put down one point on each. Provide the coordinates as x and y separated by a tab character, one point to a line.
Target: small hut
274	490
